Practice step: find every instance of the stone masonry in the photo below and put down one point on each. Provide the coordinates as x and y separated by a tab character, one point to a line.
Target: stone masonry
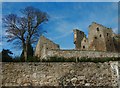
101	42
100	38
43	45
61	74
80	54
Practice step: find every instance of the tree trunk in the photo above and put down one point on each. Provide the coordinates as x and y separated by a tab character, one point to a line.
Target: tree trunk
27	50
24	52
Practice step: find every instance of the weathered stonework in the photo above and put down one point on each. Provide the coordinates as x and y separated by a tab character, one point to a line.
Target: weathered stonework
61	74
119	73
80	54
100	38
1	74
44	44
101	42
78	37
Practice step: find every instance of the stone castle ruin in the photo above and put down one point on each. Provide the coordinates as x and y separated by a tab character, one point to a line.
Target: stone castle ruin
43	45
100	38
101	42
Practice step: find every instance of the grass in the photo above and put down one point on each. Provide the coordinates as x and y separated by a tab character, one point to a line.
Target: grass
33	59
83	59
72	59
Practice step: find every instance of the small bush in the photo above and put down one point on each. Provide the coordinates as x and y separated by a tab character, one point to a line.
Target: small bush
17	59
62	59
82	59
33	59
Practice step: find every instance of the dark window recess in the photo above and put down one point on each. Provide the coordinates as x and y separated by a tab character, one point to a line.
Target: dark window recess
108	40
107	34
95	37
100	35
84	40
83	47
97	28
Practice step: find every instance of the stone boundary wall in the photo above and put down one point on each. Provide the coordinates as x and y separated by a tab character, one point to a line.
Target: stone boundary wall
78	53
0	74
60	74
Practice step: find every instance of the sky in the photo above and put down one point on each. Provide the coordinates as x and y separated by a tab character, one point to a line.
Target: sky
64	17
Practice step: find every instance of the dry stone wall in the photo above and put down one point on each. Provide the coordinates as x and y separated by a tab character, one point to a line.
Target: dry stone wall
60	74
0	74
78	53
119	73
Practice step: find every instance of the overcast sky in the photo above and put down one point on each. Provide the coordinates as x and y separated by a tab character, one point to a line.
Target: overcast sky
66	16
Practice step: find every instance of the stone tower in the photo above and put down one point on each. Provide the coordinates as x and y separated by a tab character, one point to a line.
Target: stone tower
100	38
78	37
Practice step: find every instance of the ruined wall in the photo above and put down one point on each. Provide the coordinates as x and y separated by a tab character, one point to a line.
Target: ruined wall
84	44
116	39
1	74
78	53
109	39
44	43
96	37
60	74
100	38
78	37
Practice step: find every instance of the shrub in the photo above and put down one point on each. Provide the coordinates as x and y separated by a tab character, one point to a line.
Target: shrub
17	59
33	59
82	59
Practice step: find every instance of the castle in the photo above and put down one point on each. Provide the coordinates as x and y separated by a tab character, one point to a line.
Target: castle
101	42
43	45
100	38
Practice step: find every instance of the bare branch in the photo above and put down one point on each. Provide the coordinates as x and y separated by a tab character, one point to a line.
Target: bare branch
24	29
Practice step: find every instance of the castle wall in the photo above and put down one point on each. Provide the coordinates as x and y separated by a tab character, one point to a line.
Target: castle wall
44	43
96	37
78	37
78	53
100	38
61	74
84	44
116	39
109	39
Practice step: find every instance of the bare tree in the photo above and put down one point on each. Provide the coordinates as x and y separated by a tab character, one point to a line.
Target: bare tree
25	29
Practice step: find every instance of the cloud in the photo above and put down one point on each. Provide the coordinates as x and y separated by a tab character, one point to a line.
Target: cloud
62	36
63	28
